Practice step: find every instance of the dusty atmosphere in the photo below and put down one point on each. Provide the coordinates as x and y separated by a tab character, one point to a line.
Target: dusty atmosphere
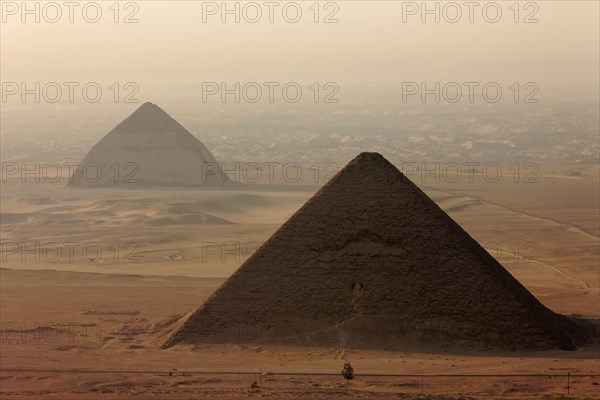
299	200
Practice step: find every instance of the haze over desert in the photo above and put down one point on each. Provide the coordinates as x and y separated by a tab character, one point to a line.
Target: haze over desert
300	200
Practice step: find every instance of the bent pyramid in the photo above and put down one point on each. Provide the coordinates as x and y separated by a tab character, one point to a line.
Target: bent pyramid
370	259
148	148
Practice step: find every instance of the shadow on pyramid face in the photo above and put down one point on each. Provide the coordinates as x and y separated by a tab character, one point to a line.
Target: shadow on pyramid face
371	262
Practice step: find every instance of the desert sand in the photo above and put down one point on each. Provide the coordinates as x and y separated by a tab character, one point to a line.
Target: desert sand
85	328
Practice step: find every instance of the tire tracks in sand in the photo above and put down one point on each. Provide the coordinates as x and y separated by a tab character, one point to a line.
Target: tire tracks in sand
585	285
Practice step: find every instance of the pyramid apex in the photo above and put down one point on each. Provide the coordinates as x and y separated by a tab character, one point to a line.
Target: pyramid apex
149	118
370	157
148	106
370	161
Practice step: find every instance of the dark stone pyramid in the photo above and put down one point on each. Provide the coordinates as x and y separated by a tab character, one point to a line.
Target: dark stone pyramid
371	261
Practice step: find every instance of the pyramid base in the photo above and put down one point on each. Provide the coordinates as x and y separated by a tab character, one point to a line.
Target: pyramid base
378	332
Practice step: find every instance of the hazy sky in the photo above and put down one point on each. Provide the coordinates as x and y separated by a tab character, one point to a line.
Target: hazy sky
370	45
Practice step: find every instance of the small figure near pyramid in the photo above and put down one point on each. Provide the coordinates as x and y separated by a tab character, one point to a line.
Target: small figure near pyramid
348	372
149	148
370	258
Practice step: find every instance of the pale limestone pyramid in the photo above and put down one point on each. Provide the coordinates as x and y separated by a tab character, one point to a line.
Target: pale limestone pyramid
149	148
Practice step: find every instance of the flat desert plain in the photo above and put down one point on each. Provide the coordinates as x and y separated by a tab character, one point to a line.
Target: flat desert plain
93	280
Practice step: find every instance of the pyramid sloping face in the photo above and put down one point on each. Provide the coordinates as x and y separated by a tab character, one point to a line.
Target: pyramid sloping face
372	259
148	148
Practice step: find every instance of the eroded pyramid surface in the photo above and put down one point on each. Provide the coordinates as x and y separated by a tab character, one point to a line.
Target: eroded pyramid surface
371	261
